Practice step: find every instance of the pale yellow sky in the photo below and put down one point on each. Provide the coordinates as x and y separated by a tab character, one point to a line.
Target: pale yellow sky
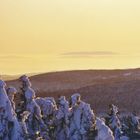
54	35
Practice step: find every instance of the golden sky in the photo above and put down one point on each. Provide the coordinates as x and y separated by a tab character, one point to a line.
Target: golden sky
54	35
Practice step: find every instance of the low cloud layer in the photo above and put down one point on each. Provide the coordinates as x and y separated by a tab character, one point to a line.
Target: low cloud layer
13	57
90	53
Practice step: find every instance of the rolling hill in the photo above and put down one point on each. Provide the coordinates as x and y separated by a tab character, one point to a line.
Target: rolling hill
97	87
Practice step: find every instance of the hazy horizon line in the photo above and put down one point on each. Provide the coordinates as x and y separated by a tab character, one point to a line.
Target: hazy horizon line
67	70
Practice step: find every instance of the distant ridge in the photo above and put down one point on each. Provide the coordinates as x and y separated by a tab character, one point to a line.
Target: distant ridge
14	77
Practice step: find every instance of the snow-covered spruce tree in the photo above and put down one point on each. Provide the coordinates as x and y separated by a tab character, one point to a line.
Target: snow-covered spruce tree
113	121
9	126
81	119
